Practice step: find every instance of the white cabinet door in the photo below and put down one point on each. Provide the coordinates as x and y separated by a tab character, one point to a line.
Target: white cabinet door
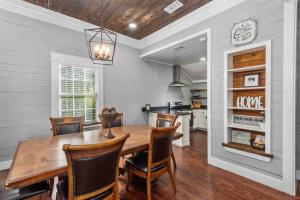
200	119
152	119
196	119
203	119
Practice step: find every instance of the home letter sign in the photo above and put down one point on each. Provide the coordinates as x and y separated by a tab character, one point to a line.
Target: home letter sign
244	32
249	102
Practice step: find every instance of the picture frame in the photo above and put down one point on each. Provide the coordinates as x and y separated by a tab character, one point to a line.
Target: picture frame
241	137
251	80
243	32
248	120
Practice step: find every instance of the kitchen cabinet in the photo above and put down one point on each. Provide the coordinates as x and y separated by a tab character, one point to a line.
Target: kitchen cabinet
200	119
184	128
152	119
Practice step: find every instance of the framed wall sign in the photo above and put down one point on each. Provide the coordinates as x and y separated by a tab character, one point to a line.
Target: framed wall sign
244	32
242	137
251	80
248	120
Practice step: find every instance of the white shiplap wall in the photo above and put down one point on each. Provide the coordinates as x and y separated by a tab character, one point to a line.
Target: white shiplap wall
269	15
298	97
25	79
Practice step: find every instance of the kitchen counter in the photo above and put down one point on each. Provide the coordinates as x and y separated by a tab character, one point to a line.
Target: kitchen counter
183	118
165	109
203	107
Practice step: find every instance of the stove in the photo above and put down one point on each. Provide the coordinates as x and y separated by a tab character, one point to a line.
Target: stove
178	105
179	108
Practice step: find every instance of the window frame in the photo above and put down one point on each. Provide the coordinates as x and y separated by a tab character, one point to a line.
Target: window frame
58	59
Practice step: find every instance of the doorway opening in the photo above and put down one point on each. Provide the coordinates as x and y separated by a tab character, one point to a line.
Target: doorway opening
192	54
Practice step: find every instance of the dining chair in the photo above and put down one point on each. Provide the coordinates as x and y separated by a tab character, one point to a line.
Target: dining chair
119	121
92	170
62	126
27	192
66	125
167	120
157	161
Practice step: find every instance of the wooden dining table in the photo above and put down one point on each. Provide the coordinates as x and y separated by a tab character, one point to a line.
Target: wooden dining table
43	158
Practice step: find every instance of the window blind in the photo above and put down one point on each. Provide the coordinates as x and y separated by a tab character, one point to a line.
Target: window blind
77	92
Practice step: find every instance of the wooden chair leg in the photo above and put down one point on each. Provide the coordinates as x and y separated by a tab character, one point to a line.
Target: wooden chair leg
173	159
129	178
116	191
148	188
171	177
51	183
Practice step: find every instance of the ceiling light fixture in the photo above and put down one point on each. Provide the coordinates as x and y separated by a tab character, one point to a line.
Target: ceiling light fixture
202	59
202	39
132	25
173	7
101	43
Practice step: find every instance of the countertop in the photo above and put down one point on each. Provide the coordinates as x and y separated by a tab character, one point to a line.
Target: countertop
165	109
203	107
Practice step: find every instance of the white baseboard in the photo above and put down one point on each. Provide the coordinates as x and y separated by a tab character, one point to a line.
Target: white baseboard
247	173
5	165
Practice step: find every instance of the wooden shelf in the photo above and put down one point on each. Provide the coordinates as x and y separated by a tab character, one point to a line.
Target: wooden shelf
247	148
198	90
246	127
236	108
198	97
245	69
246	88
200	81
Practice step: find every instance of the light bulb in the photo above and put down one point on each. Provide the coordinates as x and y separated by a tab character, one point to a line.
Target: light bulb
202	59
132	25
103	47
96	49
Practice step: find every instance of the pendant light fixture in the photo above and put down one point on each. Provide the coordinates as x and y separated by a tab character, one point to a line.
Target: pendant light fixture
101	43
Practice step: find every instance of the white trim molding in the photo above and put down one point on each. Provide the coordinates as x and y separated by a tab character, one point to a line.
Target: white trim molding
174	43
289	96
201	14
36	12
228	78
247	173
58	59
208	85
4	165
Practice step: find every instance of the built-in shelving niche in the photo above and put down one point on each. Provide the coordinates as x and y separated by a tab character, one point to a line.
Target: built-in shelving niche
247	100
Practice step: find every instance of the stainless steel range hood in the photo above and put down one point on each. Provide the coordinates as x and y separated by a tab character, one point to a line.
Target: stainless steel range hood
176	78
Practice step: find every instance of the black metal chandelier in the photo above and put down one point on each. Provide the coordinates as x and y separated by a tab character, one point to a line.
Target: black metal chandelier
101	43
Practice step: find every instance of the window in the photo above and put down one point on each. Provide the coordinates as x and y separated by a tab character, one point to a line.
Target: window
77	92
75	87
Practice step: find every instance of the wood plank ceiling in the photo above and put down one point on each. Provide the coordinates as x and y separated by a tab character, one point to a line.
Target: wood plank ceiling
147	14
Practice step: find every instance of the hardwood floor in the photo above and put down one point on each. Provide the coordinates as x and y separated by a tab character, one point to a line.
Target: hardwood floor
195	179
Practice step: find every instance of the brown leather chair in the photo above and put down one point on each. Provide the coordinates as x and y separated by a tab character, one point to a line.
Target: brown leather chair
92	170
167	120
119	121
66	125
62	126
157	161
26	192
